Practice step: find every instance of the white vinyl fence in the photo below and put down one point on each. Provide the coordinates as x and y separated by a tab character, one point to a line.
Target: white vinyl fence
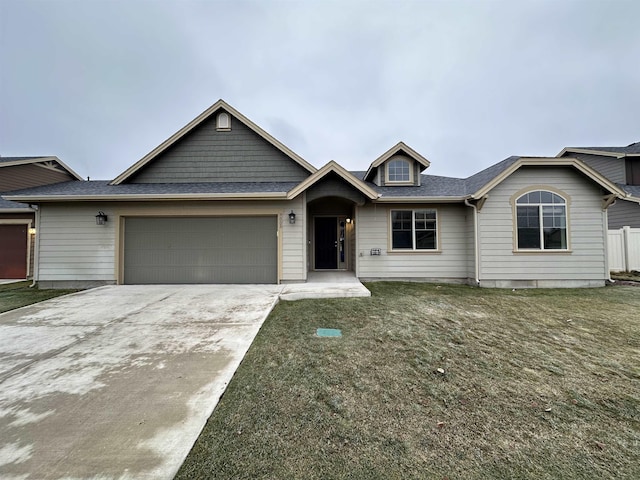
624	249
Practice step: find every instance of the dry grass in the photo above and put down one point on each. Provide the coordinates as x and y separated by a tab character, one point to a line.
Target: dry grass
536	384
20	294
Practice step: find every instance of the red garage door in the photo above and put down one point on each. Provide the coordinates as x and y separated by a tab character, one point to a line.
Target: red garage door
13	251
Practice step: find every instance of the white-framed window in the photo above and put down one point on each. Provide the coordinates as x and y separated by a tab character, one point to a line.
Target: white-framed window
223	121
541	218
398	170
414	229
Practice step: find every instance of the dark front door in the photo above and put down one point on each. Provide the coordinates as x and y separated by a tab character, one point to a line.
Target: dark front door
326	243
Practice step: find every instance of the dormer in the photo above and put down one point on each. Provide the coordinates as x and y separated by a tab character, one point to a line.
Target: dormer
399	166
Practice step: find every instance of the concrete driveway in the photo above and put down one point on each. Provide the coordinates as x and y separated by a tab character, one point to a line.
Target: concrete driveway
117	382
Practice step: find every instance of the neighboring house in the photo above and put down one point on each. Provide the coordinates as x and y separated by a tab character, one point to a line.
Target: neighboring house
17	228
621	165
222	201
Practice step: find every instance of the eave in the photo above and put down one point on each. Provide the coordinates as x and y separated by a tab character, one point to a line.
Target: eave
384	199
603	153
219	105
37	160
150	197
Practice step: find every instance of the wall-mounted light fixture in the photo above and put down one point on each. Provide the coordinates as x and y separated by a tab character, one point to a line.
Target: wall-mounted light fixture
348	220
32	231
101	218
292	217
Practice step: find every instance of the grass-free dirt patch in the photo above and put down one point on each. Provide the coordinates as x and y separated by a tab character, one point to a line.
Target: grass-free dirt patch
435	382
16	295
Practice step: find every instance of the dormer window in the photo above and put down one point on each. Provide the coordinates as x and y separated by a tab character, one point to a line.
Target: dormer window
398	170
223	122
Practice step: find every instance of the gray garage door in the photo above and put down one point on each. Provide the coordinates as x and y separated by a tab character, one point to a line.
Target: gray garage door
201	250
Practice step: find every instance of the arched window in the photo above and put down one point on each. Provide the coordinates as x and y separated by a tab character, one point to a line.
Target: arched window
398	170
223	121
541	221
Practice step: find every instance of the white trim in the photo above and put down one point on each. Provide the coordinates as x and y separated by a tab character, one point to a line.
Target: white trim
158	197
413	249
541	227
407	162
400	146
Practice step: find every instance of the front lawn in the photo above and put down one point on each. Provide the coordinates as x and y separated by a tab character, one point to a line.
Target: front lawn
16	295
435	382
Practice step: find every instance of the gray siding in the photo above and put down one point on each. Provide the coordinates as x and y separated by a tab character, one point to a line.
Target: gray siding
451	263
207	155
74	249
610	167
624	213
585	262
26	176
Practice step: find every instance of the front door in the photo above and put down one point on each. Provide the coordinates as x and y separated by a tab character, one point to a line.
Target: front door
326	243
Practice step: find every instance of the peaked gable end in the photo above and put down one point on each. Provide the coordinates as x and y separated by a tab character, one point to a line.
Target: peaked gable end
219	146
209	154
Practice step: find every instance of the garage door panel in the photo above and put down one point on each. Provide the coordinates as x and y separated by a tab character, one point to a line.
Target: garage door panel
13	251
201	250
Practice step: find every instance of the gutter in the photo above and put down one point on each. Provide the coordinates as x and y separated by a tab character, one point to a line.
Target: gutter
475	239
153	197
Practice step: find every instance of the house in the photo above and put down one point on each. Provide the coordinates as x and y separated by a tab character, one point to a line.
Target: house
222	201
620	165
17	228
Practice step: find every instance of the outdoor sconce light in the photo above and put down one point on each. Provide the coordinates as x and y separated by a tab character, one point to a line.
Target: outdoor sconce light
101	218
32	231
292	217
348	220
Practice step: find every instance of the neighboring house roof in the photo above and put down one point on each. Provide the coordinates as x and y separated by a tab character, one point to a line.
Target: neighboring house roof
44	160
103	190
398	148
7	206
219	105
618	152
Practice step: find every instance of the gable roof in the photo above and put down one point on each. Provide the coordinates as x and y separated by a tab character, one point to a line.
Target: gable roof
50	160
478	188
631	150
330	167
399	147
219	105
448	189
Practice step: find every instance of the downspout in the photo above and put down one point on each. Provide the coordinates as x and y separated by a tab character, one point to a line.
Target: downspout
36	248
605	229
475	240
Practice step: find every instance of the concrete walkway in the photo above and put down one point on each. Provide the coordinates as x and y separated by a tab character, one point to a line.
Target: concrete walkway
118	382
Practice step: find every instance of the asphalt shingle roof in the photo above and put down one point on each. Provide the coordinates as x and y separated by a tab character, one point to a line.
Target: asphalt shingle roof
633	148
9	205
15	159
102	187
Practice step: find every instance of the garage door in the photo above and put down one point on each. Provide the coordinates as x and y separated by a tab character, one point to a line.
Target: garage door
13	251
201	250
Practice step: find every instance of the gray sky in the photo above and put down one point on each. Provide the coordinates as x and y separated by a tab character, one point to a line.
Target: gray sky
465	83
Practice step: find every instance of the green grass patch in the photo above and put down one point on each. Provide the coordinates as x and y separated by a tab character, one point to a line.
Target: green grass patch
438	382
16	295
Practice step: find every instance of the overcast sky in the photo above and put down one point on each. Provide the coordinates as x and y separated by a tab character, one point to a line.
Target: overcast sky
465	83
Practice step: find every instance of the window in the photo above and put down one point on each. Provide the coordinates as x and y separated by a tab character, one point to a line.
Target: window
414	230
542	221
223	121
633	171
398	170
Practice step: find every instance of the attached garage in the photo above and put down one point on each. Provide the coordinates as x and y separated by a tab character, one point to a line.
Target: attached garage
13	251
189	250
